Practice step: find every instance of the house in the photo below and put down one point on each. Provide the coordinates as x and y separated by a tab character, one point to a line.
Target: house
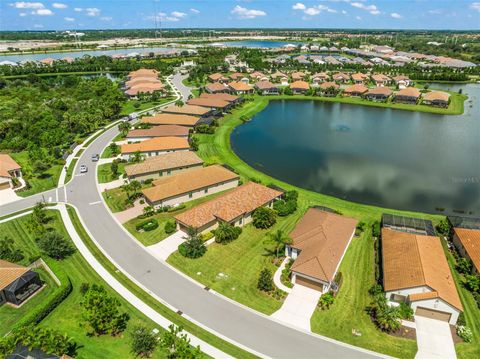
408	95
298	76
258	76
319	78
379	93
240	87
466	238
329	88
267	88
319	241
217	77
436	98
234	100
214	104
381	80
236	76
165	165
359	78
299	87
48	61
144	87
171	119
17	283
216	87
9	169
187	186
402	81
143	73
415	271
280	77
158	131
340	77
234	207
357	90
155	147
189	110
143	81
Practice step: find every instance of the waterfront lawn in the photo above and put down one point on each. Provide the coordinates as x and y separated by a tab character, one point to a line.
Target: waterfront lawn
105	174
67	315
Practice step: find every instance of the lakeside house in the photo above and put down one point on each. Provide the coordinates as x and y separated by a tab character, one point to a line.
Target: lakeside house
299	87
233	99
217	77
409	95
340	77
217	87
319	242
280	77
258	76
165	165
357	90
189	110
215	104
9	169
143	81
234	207
381	80
155	147
144	87
359	78
319	77
436	98
416	272
240	88
466	238
187	186
17	283
402	81
157	131
379	93
162	119
329	88
267	88
298	76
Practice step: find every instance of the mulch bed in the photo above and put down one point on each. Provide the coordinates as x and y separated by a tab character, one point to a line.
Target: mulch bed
456	338
405	332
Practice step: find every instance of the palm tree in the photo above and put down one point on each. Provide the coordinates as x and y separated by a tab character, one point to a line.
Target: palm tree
280	240
137	157
179	103
124	127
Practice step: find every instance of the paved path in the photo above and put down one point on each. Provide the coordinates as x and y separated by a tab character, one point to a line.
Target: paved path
434	339
298	307
163	249
130	213
278	274
112	184
185	91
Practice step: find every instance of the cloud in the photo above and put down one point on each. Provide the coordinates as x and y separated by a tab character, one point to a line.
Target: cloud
244	13
344	12
78	9
195	11
22	14
435	11
69	18
173	16
38	26
27	5
372	9
178	14
42	12
106	18
396	15
57	5
358	18
92	11
475	6
314	10
299	6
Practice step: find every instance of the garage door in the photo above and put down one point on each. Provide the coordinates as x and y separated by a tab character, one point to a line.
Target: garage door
308	283
4	185
433	314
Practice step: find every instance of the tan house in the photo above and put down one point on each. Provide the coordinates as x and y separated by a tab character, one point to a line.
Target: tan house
402	81
187	186
217	77
162	119
158	131
436	98
381	80
165	165
356	90
280	77
267	88
379	93
408	95
320	240
340	77
415	271
211	103
319	78
298	76
217	87
240	87
236	76
359	78
9	169
299	87
329	88
223	96
467	242
143	81
235	207
143	73
155	147
189	110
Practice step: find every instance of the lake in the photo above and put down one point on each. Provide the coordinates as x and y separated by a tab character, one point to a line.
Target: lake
389	158
259	44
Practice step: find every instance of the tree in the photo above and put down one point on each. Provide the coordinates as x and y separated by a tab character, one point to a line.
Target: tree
124	127
472	282
193	247
101	312
39	213
54	245
137	157
178	344
263	218
114	149
170	227
8	251
388	318
194	143
40	167
326	300
179	103
443	228
226	232
464	265
144	342
265	280
280	240
135	186
148	211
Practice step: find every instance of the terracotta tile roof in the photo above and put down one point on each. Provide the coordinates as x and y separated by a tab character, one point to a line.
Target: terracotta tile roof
436	96
9	272
208	102
265	85
359	77
401	78
422	296
170	119
380	78
7	164
412	260
340	76
156	144
221	96
144	87
323	238
298	75
216	77
160	131
257	75
327	85
470	240
143	73
236	76
164	162
300	85
187	110
357	88
184	182
240	86
241	200
216	87
409	92
320	75
278	74
380	91
138	80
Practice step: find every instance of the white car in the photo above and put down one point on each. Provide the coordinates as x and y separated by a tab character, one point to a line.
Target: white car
83	169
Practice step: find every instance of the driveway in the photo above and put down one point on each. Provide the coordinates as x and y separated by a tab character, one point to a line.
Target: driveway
8	195
298	307
112	184
130	213
434	339
169	245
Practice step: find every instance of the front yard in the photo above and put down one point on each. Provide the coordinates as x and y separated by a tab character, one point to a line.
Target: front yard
105	174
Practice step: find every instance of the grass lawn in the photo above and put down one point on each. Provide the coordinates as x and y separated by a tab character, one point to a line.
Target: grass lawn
105	174
67	316
107	153
129	106
70	169
116	198
37	183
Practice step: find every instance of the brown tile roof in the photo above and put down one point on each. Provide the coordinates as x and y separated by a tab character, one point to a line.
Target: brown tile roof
208	102
164	162
216	77
157	144
184	182
240	86
301	85
436	96
323	238
7	164
278	74
359	77
187	110
236	76
357	88
241	200
160	131
144	87
222	96
470	240
143	73
9	272
422	296
340	76
320	75
401	77
265	85
216	87
380	91
327	85
412	260
170	119
138	80
380	78
298	75
409	92
257	75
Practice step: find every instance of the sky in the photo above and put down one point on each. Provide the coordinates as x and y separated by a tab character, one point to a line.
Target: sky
123	14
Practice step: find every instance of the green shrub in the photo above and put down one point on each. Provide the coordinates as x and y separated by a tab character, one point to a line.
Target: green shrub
376	229
193	247
263	218
326	301
207	236
265	281
170	227
405	311
55	245
465	333
226	232
148	225
177	208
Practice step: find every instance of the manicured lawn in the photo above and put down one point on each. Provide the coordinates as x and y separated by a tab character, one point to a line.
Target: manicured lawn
129	106
70	169
115	199
105	174
107	153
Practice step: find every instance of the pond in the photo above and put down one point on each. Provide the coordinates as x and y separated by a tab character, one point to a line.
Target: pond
266	44
390	158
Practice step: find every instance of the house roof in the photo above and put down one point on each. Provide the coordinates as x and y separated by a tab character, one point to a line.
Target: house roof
412	260
265	85
298	75
216	76
143	73
7	164
9	272
327	85
357	88
278	74
164	162
187	110
320	75
208	102
302	85
222	96
409	92
470	240
144	87
160	131
340	76
170	119
257	74
138	80
380	78
240	86
359	76
216	86
401	78
236	75
241	200
184	182
157	144
380	91
436	96
322	238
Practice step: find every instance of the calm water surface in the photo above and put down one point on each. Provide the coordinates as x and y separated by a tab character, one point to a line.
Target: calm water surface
259	44
390	158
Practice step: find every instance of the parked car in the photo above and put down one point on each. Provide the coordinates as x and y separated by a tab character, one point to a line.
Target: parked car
95	157
83	169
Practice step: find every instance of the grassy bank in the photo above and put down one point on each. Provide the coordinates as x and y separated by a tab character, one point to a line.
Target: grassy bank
70	169
105	173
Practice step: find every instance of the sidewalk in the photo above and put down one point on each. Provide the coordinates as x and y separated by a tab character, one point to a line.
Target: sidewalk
278	274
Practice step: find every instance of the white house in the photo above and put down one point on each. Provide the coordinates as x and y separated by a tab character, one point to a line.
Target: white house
9	169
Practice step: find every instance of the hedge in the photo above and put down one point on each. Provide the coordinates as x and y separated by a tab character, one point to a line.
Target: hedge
148	225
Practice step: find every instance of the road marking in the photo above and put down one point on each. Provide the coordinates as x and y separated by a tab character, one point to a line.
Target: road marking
65	193
56	193
97	202
49	199
80	174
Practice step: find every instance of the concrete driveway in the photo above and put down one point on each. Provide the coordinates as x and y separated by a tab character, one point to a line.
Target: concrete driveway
298	307
169	245
8	195
434	339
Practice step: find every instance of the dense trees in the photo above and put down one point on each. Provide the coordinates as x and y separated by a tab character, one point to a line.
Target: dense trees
9	252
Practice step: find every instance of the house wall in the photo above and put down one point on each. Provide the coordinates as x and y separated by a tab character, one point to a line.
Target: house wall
324	285
407	291
139	139
126	156
157	174
5	183
2	297
437	304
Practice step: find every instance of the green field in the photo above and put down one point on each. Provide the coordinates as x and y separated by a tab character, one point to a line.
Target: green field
129	106
105	174
70	169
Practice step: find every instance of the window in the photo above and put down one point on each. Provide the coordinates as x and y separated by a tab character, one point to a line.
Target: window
169	172
190	195
206	190
240	221
160	173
